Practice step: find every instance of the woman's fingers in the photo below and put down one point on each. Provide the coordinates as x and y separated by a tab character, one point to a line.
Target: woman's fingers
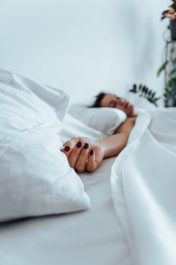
69	146
76	149
75	153
95	157
91	164
81	162
82	155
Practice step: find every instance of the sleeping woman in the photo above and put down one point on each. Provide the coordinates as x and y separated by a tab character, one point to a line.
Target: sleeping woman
84	154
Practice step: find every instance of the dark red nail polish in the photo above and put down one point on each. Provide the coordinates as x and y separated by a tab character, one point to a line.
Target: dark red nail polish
86	146
79	144
67	148
91	152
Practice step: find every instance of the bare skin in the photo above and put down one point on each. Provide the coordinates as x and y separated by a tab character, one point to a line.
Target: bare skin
83	154
112	101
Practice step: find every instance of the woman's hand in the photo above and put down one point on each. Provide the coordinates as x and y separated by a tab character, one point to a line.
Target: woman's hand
86	155
83	154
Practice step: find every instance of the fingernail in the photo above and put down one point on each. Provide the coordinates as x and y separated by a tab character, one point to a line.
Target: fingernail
79	144
86	146
91	152
67	148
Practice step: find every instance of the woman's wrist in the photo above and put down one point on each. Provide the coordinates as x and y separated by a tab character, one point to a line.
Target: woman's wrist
113	145
100	148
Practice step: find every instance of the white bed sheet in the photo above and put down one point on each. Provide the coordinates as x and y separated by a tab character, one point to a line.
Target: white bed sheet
143	188
91	237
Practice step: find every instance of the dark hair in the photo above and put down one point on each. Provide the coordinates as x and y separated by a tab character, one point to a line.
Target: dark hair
98	100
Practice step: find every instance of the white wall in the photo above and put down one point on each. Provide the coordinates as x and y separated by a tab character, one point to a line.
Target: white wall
83	46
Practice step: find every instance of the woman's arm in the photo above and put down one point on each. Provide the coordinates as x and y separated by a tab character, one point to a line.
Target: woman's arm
84	154
114	144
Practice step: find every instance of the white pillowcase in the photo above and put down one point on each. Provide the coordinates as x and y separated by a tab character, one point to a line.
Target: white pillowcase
105	120
54	97
35	177
72	127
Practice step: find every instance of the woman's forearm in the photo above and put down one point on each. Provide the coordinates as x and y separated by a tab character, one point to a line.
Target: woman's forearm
115	143
84	154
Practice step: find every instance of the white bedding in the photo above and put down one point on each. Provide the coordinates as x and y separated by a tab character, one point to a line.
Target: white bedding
144	189
35	177
92	237
142	232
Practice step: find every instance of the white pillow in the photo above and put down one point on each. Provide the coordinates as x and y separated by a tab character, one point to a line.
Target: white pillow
105	120
54	97
35	177
72	127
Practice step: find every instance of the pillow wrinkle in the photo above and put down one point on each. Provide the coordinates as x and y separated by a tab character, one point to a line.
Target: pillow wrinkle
35	176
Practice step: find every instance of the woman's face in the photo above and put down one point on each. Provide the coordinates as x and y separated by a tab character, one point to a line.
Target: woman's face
113	101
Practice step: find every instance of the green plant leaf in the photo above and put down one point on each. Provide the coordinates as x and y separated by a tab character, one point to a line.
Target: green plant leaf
172	82
172	49
162	68
167	88
173	72
174	61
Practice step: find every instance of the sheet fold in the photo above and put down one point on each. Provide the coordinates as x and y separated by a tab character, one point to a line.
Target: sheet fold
143	182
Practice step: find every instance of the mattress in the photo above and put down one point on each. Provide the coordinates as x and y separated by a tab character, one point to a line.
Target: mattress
92	237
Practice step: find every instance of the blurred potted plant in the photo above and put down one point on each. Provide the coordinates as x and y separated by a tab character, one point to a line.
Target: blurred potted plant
170	13
169	65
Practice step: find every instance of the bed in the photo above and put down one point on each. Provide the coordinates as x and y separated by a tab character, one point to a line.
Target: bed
132	217
89	237
34	123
